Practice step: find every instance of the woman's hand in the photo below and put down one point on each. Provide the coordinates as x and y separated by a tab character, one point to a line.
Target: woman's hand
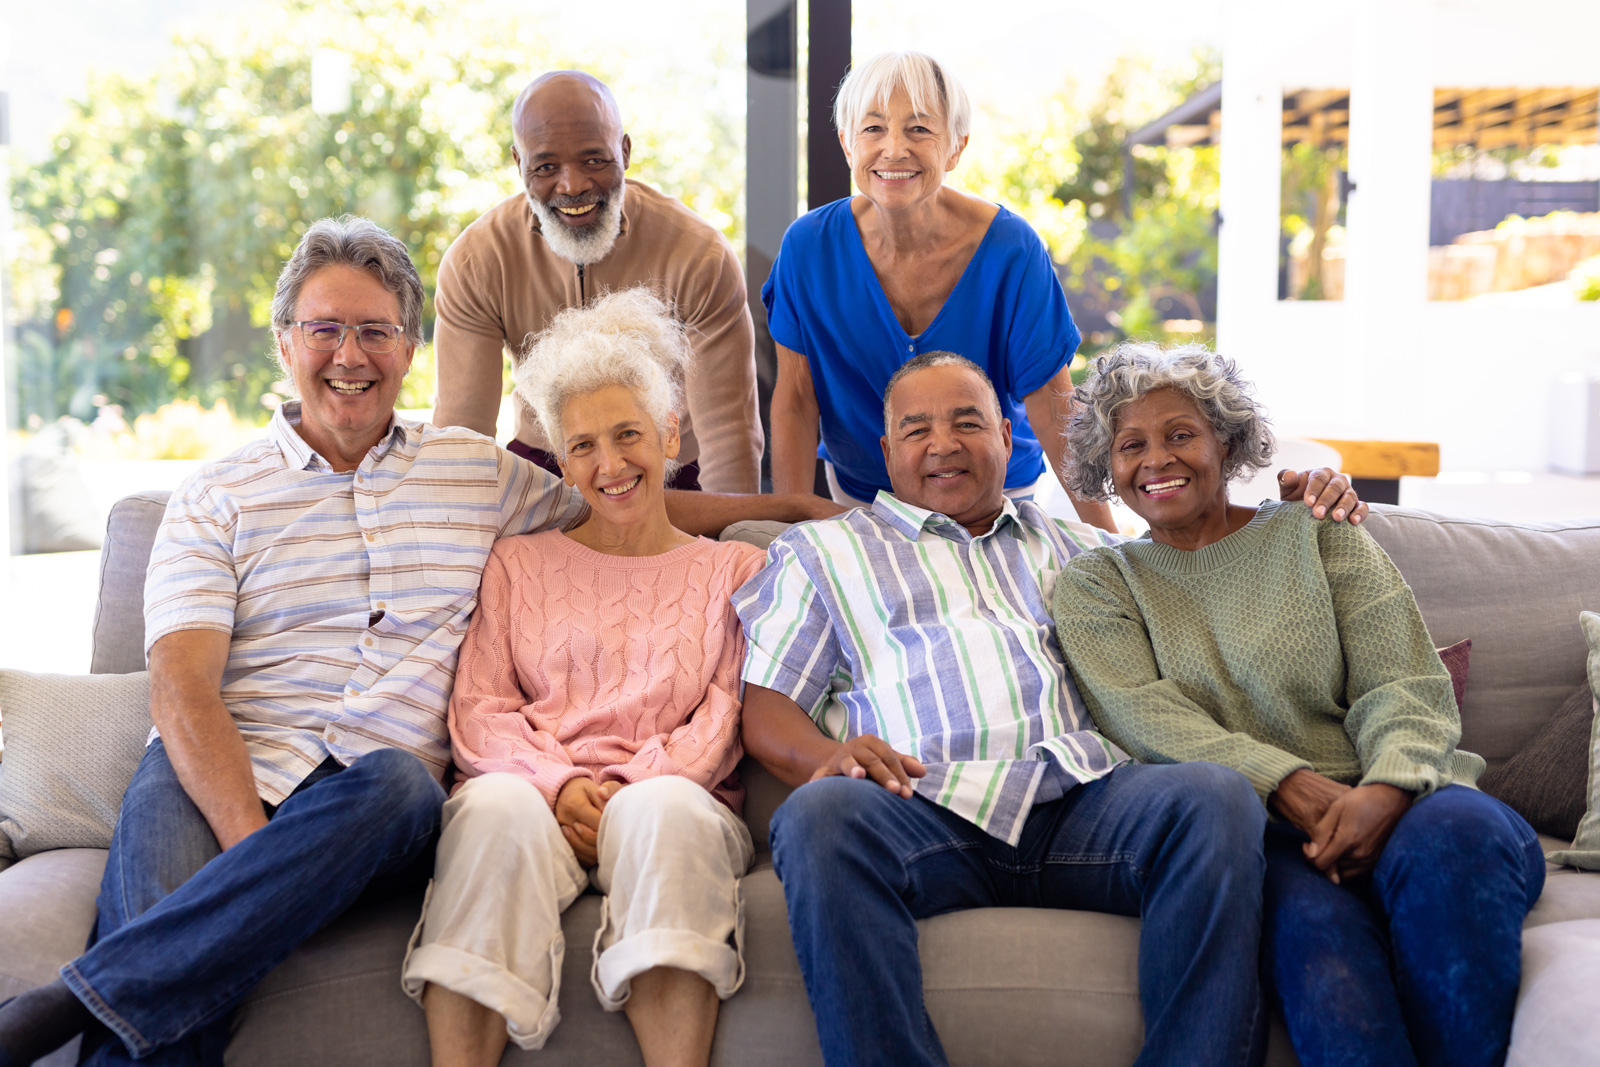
578	808
1325	491
1350	837
1304	797
866	756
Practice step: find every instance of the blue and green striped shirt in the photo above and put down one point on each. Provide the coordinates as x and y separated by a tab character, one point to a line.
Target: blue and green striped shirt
895	621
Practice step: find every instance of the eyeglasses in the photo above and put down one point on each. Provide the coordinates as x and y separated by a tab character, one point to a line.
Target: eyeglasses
379	338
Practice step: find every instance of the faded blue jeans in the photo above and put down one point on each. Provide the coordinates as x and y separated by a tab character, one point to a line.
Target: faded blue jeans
1417	963
1179	845
185	930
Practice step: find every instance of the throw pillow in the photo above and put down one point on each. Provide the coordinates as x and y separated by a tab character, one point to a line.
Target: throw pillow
1545	781
1585	850
72	743
1456	660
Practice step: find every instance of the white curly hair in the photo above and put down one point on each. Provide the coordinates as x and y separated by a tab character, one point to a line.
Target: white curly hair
629	337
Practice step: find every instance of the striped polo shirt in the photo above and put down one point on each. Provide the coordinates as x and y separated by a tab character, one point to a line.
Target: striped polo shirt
346	594
896	621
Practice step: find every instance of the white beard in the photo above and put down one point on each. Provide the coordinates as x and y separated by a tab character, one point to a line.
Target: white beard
589	245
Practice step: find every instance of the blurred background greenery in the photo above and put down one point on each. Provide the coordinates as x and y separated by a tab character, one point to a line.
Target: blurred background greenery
150	235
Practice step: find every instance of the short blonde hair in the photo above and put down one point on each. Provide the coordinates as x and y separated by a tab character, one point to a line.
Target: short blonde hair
628	338
933	90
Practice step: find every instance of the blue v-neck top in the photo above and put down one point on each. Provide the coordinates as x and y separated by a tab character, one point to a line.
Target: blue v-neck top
1007	314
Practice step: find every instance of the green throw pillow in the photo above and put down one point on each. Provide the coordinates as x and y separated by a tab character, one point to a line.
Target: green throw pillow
1585	850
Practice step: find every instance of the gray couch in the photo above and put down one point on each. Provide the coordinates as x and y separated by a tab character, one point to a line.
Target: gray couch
1017	986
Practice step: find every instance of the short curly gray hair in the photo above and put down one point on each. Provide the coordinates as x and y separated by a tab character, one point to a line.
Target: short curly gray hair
1134	368
628	338
349	241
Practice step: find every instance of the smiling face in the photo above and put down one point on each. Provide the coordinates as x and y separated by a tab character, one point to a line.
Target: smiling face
571	154
897	156
947	445
346	396
615	456
1166	462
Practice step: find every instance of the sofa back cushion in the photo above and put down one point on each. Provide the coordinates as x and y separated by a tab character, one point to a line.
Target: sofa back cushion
1516	590
119	615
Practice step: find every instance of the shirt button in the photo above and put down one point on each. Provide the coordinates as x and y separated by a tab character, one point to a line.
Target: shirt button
381	605
371	537
911	348
368	642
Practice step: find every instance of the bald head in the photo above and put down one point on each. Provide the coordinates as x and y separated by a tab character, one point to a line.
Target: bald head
564	96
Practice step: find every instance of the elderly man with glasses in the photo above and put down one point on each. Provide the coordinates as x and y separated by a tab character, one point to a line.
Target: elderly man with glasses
305	603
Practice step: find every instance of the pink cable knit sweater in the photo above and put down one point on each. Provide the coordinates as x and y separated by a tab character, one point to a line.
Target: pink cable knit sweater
611	667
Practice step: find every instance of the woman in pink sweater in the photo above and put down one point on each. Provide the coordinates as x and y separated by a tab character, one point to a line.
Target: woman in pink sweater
595	719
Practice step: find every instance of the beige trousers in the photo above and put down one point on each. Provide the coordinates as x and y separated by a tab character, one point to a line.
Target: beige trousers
671	858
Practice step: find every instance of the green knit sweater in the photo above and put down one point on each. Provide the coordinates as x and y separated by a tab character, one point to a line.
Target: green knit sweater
1289	643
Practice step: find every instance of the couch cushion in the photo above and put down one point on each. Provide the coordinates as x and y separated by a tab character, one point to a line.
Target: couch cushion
72	744
1556	1022
119	615
48	904
1516	590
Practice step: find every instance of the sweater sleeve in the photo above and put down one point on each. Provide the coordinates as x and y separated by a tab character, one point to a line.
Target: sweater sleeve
1103	636
705	748
488	730
1402	719
721	382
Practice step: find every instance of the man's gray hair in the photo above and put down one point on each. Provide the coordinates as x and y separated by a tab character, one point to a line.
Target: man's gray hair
628	338
1135	368
349	241
933	90
934	359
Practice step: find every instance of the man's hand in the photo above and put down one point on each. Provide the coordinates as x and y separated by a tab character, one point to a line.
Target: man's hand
865	756
578	808
1324	490
1303	798
1350	837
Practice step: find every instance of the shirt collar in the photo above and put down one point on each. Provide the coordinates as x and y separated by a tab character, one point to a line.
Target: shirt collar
911	520
301	456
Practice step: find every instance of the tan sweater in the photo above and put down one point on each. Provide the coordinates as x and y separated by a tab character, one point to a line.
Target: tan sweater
500	285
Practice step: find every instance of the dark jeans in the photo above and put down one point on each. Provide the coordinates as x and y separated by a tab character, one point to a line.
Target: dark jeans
185	930
685	477
1179	845
1417	963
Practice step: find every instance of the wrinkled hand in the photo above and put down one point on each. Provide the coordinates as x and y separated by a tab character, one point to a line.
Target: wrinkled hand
1303	798
1350	837
865	756
1324	490
578	808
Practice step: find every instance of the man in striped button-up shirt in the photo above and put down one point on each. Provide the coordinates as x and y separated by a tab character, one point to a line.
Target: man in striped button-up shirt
305	603
956	766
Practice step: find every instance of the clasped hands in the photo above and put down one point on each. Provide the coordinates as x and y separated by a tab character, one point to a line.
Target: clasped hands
578	809
1348	826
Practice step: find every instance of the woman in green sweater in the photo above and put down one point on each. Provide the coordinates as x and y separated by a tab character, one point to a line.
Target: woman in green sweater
1292	651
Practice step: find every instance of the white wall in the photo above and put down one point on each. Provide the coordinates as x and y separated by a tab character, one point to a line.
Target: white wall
1386	363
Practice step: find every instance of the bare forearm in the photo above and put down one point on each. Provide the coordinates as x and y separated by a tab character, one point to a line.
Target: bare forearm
469	367
205	747
795	425
782	737
708	514
1049	412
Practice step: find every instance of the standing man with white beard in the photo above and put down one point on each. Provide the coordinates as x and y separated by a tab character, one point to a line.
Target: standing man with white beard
580	229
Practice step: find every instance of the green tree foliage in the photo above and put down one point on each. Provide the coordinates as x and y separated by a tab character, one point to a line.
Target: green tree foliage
169	205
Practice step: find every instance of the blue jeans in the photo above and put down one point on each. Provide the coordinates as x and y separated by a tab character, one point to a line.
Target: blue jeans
1179	845
185	930
1417	963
